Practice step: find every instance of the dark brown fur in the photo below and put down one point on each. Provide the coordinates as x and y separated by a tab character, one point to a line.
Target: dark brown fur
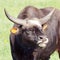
19	52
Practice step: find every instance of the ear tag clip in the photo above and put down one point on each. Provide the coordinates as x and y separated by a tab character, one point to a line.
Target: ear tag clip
14	30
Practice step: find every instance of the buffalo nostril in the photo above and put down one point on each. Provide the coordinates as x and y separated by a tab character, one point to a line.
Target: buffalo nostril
41	37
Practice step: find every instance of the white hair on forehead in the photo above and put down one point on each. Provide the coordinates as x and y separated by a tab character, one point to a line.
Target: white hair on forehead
34	22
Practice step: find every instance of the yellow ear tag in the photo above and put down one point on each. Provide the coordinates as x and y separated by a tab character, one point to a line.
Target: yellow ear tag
45	27
14	30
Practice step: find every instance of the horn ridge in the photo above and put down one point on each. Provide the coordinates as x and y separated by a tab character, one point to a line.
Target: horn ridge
47	18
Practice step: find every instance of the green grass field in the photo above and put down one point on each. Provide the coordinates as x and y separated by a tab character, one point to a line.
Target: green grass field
14	7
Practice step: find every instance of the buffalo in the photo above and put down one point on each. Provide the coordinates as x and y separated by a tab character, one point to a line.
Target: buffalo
35	34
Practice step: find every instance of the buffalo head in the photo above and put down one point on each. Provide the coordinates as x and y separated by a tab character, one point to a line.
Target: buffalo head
30	29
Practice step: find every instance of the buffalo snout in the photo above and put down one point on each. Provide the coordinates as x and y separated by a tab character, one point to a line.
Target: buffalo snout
42	41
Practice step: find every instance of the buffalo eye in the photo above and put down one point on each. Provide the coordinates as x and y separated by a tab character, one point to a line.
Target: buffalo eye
20	26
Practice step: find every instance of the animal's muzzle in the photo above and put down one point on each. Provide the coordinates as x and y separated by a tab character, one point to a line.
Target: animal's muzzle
43	42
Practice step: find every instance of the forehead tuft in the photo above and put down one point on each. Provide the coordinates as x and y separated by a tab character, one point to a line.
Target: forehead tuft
35	23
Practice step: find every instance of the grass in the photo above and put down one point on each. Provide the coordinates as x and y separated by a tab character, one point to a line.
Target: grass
14	7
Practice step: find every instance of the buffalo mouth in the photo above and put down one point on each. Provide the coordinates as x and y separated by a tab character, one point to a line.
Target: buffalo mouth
43	42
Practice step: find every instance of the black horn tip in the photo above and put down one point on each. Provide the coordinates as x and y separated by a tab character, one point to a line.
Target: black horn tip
4	9
6	13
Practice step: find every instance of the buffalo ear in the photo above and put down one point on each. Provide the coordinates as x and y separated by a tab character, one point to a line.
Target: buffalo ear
14	30
44	27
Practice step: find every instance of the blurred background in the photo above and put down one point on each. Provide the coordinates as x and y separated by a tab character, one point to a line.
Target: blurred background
14	7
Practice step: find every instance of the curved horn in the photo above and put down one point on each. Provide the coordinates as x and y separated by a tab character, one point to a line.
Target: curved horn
46	18
15	20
